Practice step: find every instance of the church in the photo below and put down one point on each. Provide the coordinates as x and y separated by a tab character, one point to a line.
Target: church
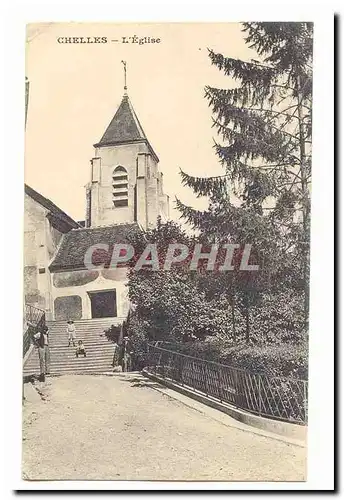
125	192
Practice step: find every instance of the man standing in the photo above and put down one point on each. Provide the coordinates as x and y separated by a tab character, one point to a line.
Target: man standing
116	355
42	339
127	355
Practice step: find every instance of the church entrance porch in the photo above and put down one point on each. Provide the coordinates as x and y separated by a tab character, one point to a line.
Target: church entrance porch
103	304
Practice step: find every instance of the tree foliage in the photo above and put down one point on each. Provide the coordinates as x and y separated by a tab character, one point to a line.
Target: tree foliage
264	128
173	304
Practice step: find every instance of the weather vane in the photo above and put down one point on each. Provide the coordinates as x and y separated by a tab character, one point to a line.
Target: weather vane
125	75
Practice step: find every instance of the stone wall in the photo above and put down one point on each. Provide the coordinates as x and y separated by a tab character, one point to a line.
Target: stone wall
108	158
145	186
40	243
68	307
67	285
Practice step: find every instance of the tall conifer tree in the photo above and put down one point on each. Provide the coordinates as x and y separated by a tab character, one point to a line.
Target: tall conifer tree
264	129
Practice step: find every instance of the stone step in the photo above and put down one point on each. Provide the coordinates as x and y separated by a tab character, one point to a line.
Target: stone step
88	322
72	359
69	358
63	328
63	342
95	339
103	365
78	333
77	364
65	357
81	325
70	351
68	361
71	366
87	343
99	349
71	370
59	367
100	324
63	339
89	347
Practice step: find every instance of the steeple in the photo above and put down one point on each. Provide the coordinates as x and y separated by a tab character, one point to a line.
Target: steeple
125	185
124	128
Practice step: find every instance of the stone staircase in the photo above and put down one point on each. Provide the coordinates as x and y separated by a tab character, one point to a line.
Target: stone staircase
99	349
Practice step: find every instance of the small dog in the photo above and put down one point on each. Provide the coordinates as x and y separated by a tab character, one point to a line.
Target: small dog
80	350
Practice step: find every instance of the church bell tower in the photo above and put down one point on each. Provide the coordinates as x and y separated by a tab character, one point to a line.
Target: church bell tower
125	184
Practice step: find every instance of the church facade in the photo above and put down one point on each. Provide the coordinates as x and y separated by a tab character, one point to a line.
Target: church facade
125	193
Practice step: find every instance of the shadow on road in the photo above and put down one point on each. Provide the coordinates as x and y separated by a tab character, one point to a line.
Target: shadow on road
139	382
30	379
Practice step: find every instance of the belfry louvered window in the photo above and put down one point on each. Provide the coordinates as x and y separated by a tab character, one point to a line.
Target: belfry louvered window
120	187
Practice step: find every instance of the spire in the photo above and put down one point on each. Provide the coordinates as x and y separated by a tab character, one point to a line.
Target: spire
125	76
124	126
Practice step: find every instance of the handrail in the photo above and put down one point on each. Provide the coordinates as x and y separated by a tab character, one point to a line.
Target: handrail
35	307
35	318
282	398
34	315
209	361
194	357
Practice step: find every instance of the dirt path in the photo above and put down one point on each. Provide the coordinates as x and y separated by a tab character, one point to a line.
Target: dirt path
99	427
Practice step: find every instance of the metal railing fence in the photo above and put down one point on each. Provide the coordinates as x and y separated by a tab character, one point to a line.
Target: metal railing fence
35	319
275	397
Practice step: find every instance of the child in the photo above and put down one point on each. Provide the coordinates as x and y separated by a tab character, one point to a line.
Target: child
80	349
71	332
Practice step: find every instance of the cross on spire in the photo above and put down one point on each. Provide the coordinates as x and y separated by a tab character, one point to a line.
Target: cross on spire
125	76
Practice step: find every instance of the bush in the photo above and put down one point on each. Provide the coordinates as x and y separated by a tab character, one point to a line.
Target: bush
277	360
113	333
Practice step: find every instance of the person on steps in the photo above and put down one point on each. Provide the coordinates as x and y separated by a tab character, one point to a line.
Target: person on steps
42	342
71	331
80	350
127	355
116	355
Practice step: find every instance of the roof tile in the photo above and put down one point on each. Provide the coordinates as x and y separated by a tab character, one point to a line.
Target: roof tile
53	209
124	127
74	245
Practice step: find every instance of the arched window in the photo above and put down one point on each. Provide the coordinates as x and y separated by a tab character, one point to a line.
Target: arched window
120	187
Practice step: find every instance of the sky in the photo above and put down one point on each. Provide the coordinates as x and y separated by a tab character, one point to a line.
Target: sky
75	90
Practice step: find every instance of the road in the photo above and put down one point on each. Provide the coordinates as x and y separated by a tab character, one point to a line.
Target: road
122	427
